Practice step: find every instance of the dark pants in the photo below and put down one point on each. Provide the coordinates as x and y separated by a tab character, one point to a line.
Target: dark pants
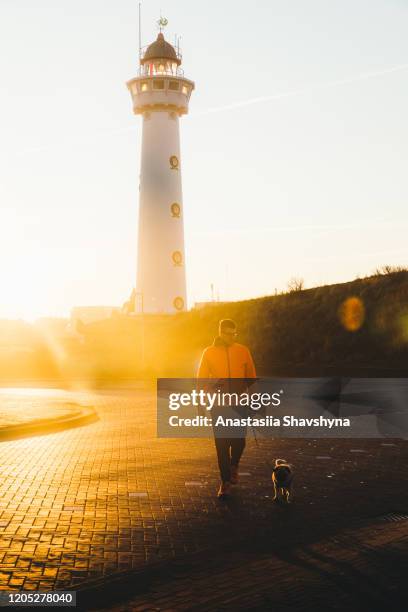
229	452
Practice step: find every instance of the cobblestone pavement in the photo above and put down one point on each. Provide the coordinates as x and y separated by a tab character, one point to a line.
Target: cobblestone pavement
361	570
84	504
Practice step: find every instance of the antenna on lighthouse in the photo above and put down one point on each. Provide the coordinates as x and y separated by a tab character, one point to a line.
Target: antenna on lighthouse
140	30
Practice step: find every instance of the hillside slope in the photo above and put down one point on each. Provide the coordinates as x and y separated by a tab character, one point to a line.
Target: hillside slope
311	332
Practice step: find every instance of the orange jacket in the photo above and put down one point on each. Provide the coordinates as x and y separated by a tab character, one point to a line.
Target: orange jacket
222	361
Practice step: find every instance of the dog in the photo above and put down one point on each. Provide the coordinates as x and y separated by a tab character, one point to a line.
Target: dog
282	476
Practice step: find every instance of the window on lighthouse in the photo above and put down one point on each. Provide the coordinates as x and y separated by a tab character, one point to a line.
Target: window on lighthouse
177	258
175	210
174	162
178	303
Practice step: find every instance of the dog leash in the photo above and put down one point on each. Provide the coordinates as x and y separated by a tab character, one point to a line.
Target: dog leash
259	448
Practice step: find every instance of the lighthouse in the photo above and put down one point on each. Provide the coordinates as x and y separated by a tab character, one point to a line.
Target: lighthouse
160	94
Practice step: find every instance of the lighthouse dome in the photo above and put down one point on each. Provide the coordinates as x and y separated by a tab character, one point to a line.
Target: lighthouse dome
160	49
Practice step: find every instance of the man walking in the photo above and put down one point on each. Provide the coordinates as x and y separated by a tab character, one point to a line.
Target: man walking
225	358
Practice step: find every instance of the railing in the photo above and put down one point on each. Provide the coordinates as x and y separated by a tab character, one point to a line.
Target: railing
166	73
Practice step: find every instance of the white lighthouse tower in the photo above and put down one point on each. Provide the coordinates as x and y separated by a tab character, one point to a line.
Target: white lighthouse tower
161	94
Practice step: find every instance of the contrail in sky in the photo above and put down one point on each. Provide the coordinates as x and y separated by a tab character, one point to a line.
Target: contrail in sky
299	92
234	106
360	224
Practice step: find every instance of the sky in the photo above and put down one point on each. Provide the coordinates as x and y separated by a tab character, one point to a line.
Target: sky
294	154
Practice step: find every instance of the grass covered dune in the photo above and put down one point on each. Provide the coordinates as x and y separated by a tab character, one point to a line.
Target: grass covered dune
359	328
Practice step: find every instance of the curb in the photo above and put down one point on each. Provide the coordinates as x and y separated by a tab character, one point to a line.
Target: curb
85	415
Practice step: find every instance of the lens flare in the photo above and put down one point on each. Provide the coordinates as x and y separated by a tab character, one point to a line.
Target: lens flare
352	314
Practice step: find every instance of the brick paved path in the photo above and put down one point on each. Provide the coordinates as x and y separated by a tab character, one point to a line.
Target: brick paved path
358	570
82	504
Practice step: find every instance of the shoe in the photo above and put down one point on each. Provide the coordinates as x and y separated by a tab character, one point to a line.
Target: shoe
234	475
224	490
